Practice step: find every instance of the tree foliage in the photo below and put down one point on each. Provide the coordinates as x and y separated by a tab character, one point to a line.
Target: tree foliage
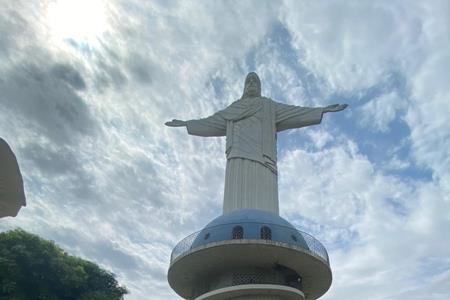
34	268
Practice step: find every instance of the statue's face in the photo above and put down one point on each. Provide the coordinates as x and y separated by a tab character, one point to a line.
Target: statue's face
252	86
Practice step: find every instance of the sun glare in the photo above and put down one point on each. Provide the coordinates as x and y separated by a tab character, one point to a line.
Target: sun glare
83	21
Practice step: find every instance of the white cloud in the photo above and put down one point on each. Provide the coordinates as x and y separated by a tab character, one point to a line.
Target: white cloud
428	114
380	112
383	232
353	44
132	188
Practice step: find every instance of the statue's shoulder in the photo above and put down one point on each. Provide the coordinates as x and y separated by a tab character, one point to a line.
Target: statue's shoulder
268	100
235	103
243	103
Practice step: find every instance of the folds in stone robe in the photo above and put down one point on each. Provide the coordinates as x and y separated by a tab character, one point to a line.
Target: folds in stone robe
12	196
250	126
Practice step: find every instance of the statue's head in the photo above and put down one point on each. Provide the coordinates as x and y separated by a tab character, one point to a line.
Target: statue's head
252	86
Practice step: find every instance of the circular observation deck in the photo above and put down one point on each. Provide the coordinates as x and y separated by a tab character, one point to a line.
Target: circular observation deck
249	247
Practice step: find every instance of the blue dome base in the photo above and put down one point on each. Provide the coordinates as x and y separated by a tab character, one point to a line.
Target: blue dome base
250	224
249	215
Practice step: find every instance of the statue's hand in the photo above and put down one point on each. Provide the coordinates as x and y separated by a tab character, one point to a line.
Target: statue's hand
176	123
334	108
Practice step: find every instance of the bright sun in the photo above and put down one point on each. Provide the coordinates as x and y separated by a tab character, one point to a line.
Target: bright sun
80	20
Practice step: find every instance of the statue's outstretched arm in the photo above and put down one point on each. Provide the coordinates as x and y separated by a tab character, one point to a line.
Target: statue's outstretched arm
214	125
176	123
291	116
334	108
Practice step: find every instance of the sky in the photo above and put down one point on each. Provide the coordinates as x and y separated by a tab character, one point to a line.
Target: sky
86	86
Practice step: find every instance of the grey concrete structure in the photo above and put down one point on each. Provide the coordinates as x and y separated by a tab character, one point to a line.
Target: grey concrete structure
12	195
250	252
247	249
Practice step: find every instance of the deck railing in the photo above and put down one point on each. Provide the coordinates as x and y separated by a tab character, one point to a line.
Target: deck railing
288	236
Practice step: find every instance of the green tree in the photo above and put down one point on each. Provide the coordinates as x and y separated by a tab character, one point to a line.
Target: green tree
33	268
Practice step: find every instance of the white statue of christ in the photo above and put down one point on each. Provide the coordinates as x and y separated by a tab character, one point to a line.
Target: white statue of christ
250	125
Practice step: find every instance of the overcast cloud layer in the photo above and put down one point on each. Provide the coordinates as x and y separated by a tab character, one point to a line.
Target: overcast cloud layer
85	87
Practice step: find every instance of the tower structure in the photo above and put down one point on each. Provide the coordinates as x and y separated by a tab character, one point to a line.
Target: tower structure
250	252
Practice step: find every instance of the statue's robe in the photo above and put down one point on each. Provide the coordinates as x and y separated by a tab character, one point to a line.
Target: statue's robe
250	126
12	196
